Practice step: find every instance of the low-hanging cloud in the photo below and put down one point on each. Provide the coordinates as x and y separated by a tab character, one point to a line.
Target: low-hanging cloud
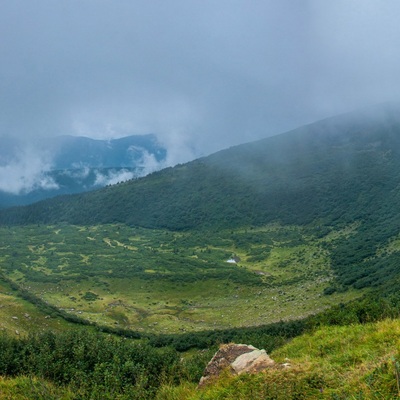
144	166
113	177
78	172
148	163
26	172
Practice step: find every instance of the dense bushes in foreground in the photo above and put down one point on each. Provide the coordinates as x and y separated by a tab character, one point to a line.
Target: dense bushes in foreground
94	365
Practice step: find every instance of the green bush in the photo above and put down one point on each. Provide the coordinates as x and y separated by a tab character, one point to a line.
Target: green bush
89	362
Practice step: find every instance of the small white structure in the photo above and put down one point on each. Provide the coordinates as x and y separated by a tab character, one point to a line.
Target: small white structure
233	260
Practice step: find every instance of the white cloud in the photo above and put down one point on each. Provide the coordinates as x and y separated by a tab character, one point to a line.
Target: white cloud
79	172
146	165
147	162
26	172
113	177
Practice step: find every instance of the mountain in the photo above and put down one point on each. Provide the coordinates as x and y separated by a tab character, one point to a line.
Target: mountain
79	164
340	172
338	168
71	152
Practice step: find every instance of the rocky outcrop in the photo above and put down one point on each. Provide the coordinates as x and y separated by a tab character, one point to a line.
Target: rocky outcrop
238	359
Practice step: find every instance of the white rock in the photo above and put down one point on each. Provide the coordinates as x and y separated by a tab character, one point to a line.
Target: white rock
254	361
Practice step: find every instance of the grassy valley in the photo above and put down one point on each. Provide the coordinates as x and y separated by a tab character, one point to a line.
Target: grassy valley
170	282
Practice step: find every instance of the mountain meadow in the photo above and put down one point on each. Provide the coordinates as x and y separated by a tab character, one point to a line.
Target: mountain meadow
290	243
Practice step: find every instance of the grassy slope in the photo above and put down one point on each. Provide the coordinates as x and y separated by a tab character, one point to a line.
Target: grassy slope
27	388
347	362
20	317
344	185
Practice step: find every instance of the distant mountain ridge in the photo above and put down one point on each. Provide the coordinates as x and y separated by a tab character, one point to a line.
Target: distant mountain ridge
74	151
80	164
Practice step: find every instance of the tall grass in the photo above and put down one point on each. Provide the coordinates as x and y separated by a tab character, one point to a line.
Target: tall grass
337	362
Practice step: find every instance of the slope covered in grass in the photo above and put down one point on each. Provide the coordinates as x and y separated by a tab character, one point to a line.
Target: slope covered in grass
346	362
31	388
18	316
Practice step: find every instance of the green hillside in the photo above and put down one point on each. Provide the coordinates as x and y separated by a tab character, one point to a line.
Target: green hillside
351	362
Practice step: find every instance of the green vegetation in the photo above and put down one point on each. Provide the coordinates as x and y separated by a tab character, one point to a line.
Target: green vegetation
26	388
66	273
20	316
92	365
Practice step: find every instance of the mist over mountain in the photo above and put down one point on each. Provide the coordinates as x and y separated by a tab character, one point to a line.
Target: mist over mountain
69	164
322	170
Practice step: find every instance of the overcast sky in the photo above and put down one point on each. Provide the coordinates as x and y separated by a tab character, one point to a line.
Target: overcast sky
201	74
